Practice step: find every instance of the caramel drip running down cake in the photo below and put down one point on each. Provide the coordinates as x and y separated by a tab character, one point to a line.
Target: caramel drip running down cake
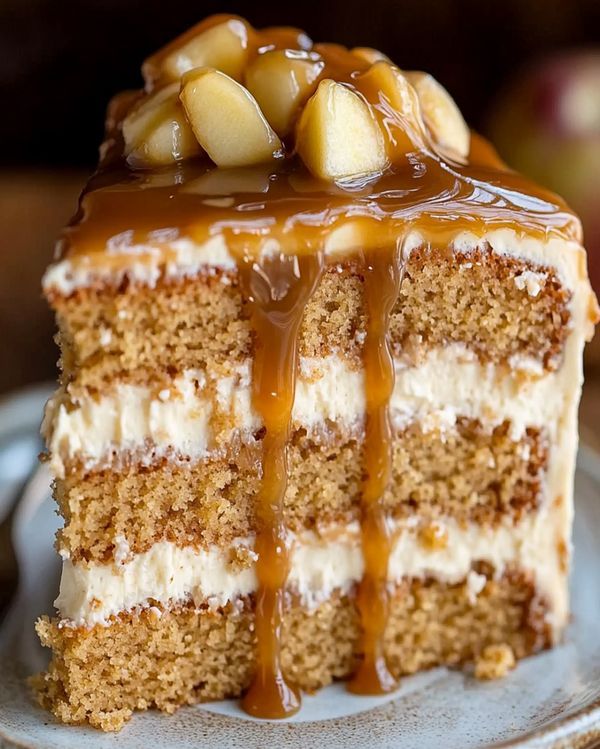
321	357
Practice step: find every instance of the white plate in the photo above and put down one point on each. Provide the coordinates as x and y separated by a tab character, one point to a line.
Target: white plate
550	700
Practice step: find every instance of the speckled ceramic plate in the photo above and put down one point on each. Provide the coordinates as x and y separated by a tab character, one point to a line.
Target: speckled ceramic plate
550	700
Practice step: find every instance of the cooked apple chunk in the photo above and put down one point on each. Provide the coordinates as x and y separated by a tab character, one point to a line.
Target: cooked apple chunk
223	46
369	54
227	120
156	131
280	81
338	136
442	116
287	37
385	82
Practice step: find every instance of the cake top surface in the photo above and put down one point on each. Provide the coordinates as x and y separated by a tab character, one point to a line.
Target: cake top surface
263	136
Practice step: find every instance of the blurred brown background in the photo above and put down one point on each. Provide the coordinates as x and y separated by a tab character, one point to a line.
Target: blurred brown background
60	61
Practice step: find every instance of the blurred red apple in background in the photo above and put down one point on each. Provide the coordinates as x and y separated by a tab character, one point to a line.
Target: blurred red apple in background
546	124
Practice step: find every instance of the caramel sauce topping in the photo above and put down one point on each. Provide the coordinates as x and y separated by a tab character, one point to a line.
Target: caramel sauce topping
278	289
278	220
123	210
421	188
382	274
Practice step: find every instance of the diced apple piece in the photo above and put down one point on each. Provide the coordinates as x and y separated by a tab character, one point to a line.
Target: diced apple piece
142	115
156	131
339	57
119	107
287	37
385	78
226	120
442	116
386	83
338	136
370	55
281	80
223	46
171	140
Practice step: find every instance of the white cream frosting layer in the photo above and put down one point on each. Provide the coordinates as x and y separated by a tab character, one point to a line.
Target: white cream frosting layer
448	383
180	257
320	565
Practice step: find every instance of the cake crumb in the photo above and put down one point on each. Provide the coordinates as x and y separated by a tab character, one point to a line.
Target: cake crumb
240	558
121	550
494	662
105	337
475	584
154	613
531	281
110	720
434	537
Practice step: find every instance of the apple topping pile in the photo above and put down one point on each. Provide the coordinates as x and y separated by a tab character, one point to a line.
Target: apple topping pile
240	97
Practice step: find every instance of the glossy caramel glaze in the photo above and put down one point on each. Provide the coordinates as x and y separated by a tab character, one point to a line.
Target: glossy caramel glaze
422	188
382	273
277	288
278	222
121	208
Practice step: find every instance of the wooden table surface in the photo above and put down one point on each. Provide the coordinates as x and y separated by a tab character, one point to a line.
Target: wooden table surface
33	208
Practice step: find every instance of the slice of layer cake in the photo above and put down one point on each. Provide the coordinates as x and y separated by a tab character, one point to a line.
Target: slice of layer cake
321	362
